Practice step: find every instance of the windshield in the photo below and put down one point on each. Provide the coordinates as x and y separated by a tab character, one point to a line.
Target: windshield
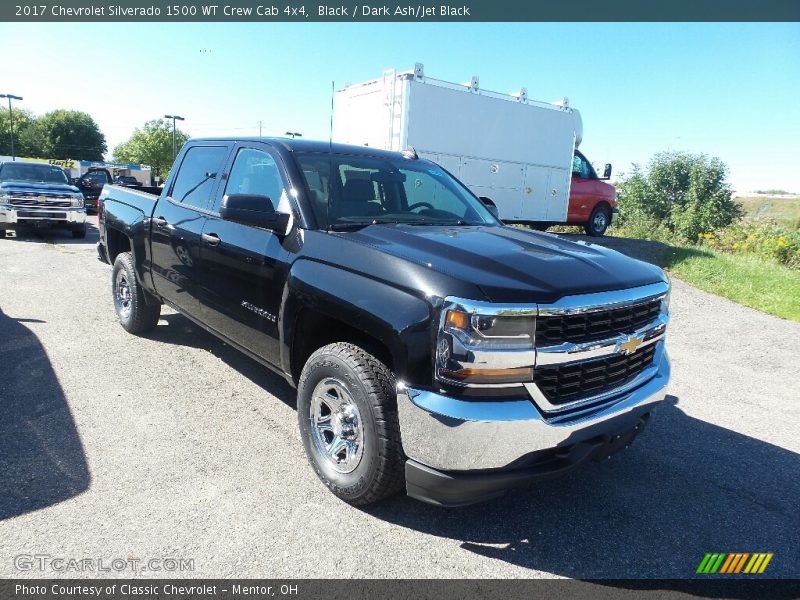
32	173
349	191
96	176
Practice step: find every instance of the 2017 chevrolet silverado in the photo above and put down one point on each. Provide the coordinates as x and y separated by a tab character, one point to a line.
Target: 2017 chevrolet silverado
432	347
39	195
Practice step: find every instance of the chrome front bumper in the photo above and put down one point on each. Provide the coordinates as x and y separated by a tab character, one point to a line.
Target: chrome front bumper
10	214
452	434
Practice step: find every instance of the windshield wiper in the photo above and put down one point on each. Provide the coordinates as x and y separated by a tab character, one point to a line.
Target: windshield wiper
439	223
347	225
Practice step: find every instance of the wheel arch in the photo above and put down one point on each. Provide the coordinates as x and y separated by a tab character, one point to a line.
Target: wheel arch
323	304
116	243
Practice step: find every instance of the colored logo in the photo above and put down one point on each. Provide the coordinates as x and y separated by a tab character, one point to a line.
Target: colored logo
630	345
734	563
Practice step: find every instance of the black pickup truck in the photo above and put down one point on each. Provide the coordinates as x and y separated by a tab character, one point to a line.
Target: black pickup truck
91	185
432	347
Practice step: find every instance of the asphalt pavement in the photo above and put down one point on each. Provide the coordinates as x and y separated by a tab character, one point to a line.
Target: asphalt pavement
174	445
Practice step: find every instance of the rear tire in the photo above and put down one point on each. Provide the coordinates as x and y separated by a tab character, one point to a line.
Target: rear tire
134	312
347	412
598	222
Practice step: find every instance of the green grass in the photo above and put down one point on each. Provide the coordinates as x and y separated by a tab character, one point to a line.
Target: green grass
784	210
749	280
759	284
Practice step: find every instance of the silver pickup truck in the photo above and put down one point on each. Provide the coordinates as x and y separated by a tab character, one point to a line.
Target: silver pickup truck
39	195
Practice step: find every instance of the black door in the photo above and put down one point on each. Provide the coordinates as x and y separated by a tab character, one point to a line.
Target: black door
244	266
178	223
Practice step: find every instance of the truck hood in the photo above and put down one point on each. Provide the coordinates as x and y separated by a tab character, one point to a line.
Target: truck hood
41	188
510	264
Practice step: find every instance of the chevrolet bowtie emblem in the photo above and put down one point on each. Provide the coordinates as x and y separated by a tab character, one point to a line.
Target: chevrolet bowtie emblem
630	345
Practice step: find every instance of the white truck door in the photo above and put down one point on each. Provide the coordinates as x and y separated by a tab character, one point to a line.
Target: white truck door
558	202
536	193
499	181
449	162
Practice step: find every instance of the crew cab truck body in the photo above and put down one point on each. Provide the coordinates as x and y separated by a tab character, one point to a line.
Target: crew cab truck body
518	152
38	195
91	185
432	347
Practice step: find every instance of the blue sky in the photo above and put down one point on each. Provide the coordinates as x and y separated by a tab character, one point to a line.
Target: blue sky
728	90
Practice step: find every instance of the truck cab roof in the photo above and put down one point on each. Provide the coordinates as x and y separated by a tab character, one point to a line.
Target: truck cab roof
314	146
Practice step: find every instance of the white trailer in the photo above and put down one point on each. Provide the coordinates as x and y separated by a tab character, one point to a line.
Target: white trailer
516	151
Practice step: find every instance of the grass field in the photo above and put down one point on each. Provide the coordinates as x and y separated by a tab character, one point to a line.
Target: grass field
784	210
744	278
750	281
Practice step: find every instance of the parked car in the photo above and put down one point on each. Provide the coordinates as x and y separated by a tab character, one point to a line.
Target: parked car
520	153
126	180
91	184
39	195
432	347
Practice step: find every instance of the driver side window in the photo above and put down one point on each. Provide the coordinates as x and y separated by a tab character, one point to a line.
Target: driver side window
255	172
581	168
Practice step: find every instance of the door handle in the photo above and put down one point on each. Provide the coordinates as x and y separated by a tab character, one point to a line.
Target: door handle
212	239
160	222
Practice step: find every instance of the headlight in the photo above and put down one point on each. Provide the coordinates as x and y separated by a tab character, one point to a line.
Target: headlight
482	343
665	299
4	197
77	199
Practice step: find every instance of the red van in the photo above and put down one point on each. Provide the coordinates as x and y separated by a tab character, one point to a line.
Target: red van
592	201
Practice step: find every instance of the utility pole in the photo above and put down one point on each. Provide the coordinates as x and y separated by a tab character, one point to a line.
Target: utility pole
11	119
259	129
174	142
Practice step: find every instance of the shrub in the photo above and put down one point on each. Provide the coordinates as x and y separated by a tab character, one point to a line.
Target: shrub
766	239
687	194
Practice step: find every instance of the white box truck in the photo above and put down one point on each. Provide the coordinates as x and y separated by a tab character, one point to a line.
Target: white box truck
519	153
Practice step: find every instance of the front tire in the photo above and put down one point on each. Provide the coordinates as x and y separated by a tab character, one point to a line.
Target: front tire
79	234
347	412
134	312
598	222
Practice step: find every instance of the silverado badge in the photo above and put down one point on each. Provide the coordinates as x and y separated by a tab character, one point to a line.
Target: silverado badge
630	345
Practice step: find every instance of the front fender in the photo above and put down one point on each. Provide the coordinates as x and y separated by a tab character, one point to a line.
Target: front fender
131	223
400	320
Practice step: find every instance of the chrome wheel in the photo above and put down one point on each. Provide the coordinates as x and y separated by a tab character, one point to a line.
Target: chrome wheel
123	294
336	426
600	221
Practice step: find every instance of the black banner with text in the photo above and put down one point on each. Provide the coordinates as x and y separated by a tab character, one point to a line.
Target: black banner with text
382	11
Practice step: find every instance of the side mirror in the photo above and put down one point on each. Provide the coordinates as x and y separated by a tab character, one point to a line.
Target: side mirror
491	206
255	210
607	171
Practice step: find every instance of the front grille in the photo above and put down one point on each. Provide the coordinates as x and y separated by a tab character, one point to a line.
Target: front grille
570	382
36	199
596	325
27	202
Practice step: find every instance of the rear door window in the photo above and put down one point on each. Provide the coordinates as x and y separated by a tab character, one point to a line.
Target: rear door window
199	172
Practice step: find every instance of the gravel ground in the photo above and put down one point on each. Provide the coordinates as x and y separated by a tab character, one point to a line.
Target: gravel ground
175	445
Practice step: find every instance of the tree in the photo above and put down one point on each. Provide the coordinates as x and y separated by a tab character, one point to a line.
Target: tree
25	143
687	193
151	145
69	134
